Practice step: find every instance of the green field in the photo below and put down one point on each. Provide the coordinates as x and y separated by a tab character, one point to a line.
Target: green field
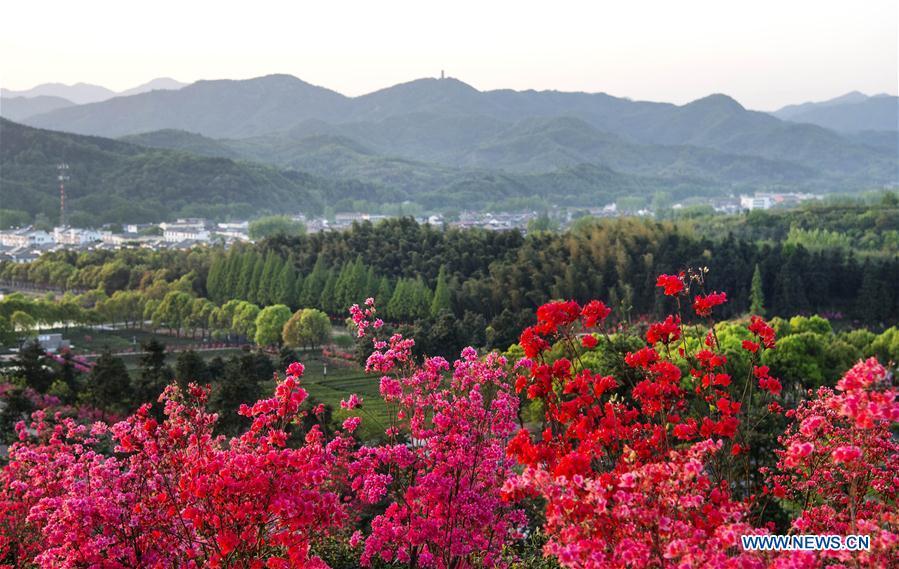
341	382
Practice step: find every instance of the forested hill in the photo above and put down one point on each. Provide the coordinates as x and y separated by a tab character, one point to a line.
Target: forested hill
115	181
119	182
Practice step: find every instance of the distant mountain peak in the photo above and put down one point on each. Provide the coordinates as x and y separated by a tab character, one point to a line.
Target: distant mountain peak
158	84
717	100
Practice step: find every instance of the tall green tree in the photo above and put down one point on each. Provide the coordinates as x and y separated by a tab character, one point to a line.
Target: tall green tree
191	368
314	284
285	289
31	364
329	301
109	386
153	373
756	293
441	300
270	273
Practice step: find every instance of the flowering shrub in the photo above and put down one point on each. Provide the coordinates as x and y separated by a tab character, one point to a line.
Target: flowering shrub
174	494
839	463
441	471
649	466
624	468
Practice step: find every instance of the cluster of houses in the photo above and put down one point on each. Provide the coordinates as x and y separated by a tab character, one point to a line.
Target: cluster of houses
25	244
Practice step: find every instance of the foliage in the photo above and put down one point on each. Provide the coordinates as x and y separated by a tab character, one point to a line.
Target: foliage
275	225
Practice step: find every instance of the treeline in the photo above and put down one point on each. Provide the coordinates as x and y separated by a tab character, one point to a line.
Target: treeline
418	272
110	271
266	278
870	229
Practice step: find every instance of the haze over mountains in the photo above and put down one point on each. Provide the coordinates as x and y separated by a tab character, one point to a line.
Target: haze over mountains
83	93
852	112
442	143
17	105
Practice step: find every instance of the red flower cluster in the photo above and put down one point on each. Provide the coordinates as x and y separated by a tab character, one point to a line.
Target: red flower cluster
703	305
672	285
762	331
666	332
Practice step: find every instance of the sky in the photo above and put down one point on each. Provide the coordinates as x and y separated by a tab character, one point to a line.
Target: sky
764	53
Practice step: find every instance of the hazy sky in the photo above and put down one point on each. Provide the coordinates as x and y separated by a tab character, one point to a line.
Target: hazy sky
765	53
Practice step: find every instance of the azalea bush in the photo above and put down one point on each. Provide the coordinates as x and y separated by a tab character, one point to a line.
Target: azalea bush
624	452
442	469
171	493
653	469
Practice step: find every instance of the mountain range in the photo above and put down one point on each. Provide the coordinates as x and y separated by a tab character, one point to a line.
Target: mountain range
443	143
852	112
118	181
51	96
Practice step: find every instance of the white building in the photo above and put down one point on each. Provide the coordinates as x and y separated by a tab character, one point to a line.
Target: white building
758	201
75	236
24	238
190	229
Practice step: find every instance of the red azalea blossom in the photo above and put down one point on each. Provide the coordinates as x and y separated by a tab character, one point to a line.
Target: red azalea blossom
763	331
672	284
594	312
665	332
554	315
703	304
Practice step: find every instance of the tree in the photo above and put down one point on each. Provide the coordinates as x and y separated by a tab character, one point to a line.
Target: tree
190	367
441	299
329	301
293	334
174	311
270	323
202	312
153	373
317	326
237	385
285	286
216	278
23	323
307	327
402	301
756	293
273	225
270	274
243	322
7	332
314	284
108	386
31	364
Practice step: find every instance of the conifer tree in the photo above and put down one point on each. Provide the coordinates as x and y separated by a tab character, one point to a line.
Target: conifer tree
285	287
215	278
247	270
231	279
371	282
270	272
256	279
328	301
314	284
342	287
756	293
400	301
441	300
384	292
